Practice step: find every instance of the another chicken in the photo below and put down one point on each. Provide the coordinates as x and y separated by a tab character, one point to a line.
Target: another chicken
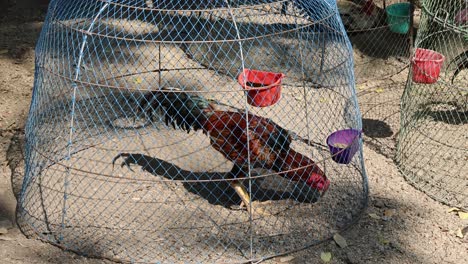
358	15
242	138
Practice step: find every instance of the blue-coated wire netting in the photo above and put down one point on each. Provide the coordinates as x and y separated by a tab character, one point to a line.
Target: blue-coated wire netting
192	131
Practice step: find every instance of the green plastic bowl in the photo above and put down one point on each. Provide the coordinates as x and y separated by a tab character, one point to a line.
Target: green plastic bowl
398	17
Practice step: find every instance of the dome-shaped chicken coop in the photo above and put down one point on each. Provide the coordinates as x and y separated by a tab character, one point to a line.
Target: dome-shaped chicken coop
433	143
381	33
192	131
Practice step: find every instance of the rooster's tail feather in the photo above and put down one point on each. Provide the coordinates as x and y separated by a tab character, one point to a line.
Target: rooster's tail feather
180	109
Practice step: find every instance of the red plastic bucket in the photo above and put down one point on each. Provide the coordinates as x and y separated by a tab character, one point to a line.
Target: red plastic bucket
426	65
263	88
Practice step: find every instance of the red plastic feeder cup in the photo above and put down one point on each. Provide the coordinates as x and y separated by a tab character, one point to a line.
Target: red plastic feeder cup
426	65
263	88
343	144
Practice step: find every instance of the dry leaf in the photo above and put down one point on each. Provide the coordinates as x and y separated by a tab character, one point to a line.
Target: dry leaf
374	216
388	214
340	241
453	209
379	90
149	3
463	215
138	80
461	232
298	97
286	259
326	256
383	240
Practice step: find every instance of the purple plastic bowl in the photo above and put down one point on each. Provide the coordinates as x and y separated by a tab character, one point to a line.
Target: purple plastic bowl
349	138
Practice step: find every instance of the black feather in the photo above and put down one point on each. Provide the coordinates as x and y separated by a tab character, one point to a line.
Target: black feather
280	139
181	109
284	7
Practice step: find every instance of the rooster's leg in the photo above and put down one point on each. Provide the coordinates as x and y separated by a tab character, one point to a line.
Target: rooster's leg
243	193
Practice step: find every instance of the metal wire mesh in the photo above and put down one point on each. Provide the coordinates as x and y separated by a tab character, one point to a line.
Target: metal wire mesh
169	92
381	55
433	143
379	51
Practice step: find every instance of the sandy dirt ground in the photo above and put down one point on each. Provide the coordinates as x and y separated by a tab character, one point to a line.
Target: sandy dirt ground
401	224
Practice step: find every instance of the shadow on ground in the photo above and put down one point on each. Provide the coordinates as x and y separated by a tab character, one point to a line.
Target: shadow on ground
370	240
376	128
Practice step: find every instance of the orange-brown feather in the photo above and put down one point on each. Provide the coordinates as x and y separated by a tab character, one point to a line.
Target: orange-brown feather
242	138
228	132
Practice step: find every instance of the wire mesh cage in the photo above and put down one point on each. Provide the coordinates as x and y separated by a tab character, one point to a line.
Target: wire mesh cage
192	131
381	34
433	143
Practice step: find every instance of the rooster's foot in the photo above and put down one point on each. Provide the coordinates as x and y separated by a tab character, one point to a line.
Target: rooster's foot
255	208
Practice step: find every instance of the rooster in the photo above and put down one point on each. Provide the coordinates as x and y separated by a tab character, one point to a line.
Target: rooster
358	15
242	138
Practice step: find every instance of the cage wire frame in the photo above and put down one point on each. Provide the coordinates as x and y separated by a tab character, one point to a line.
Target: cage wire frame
434	115
100	119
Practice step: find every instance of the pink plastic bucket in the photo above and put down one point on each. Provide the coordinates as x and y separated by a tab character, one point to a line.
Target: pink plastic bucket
426	65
